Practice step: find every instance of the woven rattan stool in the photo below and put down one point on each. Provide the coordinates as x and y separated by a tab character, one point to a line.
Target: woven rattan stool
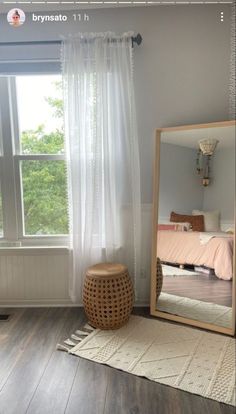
159	278
108	295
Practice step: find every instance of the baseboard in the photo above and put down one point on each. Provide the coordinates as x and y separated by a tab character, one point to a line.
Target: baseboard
37	303
52	304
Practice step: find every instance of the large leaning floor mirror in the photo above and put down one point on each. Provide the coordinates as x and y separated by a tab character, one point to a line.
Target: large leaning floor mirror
193	245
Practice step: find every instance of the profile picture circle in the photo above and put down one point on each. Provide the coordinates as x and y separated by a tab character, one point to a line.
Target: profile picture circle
16	17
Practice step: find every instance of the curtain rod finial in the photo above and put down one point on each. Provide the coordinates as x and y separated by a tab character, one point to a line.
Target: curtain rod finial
139	39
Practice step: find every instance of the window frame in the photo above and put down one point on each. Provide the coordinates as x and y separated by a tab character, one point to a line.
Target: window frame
10	172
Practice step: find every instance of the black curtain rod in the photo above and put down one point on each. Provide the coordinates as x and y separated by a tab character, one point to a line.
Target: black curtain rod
135	39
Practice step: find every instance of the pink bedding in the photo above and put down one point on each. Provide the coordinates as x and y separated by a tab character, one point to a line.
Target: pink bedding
185	248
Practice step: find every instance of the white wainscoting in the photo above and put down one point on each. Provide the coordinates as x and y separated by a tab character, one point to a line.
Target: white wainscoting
34	276
39	276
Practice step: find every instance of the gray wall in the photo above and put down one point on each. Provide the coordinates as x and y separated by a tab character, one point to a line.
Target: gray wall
180	189
181	69
220	194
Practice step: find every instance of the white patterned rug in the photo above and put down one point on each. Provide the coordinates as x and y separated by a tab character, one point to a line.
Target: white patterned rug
195	309
176	271
185	358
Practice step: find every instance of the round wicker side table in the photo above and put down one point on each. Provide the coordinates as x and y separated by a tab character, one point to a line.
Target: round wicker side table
108	295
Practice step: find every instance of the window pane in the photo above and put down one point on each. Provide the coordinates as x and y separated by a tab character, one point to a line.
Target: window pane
40	114
1	220
44	197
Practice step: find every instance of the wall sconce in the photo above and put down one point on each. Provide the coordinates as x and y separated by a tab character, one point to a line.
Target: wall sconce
206	150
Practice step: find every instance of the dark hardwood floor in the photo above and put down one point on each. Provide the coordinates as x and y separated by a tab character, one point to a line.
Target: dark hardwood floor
35	378
202	287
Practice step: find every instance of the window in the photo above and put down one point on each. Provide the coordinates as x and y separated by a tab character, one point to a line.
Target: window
33	160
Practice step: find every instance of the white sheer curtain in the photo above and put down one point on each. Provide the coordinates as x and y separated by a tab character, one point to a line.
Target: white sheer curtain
102	154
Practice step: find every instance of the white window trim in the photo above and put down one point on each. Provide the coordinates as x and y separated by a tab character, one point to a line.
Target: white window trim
11	188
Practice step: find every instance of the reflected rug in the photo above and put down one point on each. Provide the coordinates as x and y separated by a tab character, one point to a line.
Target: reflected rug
195	309
176	271
189	359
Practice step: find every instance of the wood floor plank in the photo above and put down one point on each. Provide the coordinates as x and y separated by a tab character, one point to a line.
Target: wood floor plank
194	404
55	385
31	364
89	389
15	336
129	394
207	288
6	326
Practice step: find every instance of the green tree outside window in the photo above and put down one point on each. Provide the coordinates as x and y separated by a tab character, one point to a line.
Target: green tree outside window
44	182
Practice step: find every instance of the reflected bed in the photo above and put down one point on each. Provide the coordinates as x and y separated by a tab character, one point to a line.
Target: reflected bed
181	247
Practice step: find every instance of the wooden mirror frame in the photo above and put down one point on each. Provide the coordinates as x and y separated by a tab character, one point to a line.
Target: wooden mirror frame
155	205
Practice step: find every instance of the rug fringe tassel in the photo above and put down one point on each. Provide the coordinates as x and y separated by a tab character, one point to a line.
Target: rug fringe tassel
83	333
89	327
62	348
69	342
76	337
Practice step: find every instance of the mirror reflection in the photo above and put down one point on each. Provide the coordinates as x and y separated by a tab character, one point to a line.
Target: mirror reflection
195	231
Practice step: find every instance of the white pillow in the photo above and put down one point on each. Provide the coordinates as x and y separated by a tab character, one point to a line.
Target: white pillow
211	219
